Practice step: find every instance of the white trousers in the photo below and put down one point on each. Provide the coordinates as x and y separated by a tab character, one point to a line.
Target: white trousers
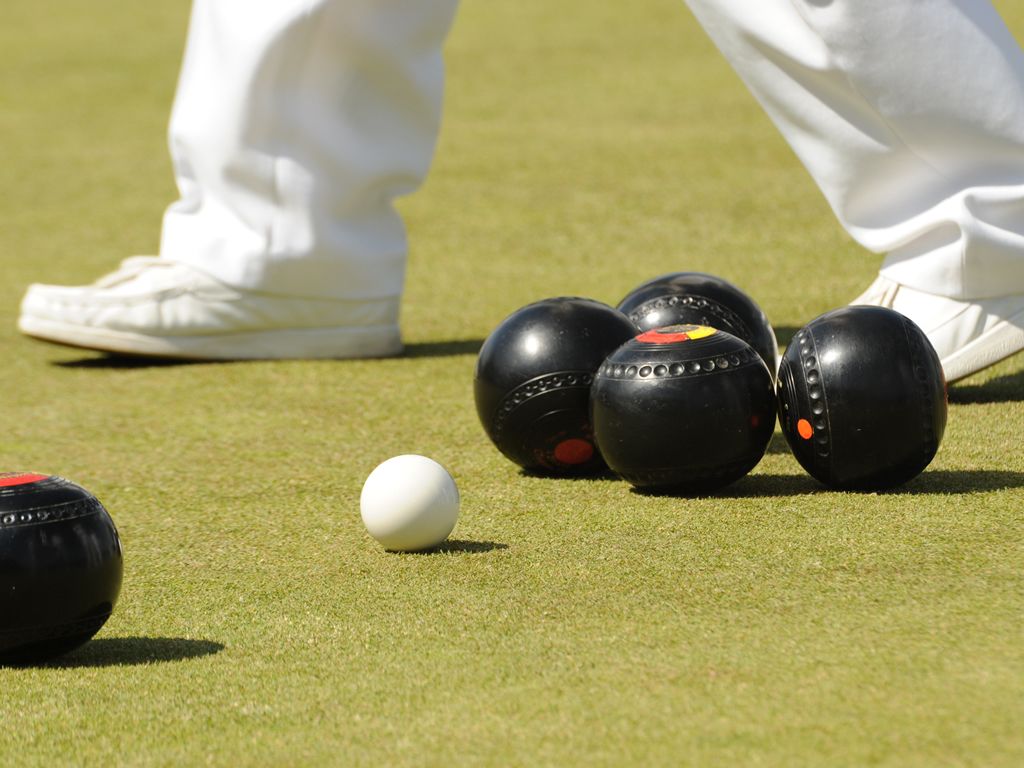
909	114
298	122
296	125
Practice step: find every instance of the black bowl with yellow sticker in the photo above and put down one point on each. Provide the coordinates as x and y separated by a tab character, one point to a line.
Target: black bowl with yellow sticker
684	409
697	298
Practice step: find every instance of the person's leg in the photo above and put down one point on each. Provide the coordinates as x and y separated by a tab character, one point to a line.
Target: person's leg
295	126
909	114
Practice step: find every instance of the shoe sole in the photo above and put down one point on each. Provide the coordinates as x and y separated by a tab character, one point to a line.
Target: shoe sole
340	343
1002	340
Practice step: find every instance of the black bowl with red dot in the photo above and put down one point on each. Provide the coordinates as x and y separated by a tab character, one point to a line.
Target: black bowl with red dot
862	398
685	409
60	567
533	377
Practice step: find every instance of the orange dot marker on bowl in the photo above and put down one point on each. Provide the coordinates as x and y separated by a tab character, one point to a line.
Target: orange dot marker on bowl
804	428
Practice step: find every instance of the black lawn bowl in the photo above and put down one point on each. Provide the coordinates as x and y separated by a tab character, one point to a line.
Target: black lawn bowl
683	409
60	567
533	378
862	398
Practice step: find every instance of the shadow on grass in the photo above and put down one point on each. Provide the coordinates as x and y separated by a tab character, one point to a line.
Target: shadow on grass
762	485
461	547
128	362
443	348
1004	389
599	476
132	651
113	362
963	481
939	481
784	334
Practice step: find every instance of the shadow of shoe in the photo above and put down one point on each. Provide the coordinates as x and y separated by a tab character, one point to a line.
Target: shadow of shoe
1003	389
106	362
443	348
110	362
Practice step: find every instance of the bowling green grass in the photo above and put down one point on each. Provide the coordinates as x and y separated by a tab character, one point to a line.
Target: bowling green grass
586	147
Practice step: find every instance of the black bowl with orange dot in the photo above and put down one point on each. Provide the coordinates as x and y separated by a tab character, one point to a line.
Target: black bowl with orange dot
862	398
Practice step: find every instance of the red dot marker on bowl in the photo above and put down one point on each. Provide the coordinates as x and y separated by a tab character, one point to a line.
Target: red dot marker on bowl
574	451
9	479
673	334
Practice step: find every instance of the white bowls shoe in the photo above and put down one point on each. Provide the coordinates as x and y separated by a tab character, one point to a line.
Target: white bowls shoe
967	335
160	308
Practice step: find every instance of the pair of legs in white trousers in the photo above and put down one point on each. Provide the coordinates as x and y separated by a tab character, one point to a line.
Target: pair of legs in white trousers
297	124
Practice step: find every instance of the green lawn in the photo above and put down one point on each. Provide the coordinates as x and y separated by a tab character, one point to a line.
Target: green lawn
586	147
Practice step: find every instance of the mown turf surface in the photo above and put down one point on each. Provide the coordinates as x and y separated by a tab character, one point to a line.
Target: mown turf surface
586	147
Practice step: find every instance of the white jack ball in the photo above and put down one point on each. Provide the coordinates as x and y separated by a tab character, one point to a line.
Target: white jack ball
409	503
